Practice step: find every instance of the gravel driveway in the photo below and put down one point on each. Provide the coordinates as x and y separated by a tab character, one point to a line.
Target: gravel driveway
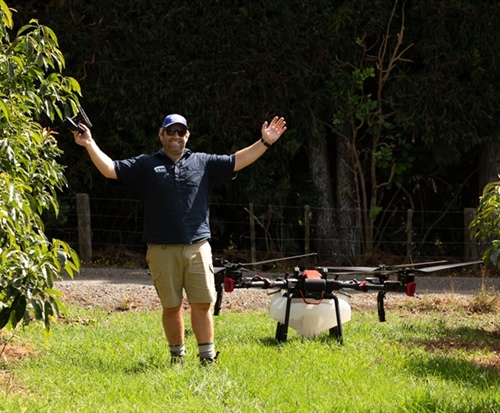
132	289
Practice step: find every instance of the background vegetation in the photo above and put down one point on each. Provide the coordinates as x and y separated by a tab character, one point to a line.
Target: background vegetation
229	65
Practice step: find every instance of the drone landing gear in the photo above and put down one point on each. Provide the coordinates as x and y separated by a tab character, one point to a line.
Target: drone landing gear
282	328
337	330
281	332
380	306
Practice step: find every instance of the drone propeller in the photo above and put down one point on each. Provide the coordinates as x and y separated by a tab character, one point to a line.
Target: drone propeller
249	264
387	270
446	267
382	267
218	268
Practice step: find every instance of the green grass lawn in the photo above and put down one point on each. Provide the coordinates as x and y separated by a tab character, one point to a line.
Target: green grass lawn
432	360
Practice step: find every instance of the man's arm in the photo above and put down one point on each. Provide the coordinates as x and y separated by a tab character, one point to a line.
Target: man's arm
270	134
102	161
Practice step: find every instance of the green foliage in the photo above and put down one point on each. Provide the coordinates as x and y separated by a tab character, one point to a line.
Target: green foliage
486	223
230	65
449	96
227	67
31	87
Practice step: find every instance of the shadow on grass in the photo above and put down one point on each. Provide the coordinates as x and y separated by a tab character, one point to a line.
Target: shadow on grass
452	368
269	342
428	403
465	337
462	353
324	338
462	337
144	365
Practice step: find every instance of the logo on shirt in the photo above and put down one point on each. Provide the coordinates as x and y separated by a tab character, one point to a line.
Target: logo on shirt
160	169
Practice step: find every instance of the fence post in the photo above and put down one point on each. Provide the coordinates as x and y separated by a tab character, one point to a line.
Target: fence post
307	212
409	235
84	227
252	233
470	245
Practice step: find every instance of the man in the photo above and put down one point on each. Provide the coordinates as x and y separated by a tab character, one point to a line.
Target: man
174	185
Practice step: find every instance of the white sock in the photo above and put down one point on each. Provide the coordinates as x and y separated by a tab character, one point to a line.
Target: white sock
206	350
178	350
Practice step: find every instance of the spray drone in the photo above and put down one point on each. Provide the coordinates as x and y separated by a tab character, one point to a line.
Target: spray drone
313	301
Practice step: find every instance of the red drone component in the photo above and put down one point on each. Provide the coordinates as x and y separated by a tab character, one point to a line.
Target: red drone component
311	274
411	287
228	285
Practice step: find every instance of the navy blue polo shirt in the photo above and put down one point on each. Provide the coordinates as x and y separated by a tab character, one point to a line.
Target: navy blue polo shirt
175	196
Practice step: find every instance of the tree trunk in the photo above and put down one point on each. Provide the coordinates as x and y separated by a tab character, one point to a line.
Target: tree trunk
347	228
489	165
320	170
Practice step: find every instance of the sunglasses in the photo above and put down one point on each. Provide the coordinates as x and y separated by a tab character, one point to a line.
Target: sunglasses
172	131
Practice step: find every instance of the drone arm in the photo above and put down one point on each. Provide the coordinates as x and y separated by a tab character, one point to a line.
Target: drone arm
257	282
320	285
365	286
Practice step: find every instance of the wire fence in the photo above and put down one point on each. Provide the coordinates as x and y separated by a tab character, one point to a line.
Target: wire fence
255	232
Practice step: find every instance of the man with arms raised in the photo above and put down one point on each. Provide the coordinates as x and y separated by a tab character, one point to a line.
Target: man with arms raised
174	185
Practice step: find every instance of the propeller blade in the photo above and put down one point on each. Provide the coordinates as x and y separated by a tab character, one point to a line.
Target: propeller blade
352	269
383	267
354	273
419	264
446	267
278	259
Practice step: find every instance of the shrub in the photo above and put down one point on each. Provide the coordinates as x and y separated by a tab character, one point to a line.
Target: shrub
32	87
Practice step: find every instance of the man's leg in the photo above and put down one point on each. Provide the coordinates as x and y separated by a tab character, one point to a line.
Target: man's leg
199	284
203	328
202	322
173	325
165	263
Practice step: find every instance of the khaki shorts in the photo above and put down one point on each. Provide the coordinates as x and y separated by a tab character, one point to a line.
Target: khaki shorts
179	267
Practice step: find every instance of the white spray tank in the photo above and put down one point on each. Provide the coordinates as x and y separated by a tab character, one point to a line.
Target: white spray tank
310	317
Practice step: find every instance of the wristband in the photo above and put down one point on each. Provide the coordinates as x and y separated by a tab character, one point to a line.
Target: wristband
266	144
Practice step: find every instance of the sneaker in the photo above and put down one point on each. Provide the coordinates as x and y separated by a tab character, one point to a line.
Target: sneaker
209	361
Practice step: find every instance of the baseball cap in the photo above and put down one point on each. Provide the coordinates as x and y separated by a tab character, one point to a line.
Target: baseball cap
174	118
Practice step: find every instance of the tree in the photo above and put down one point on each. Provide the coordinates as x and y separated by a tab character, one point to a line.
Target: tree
368	125
486	223
31	87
